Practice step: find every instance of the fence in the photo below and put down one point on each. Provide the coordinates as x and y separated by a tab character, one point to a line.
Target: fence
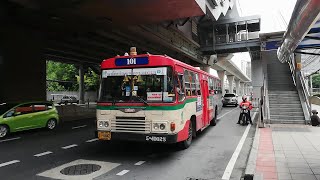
92	96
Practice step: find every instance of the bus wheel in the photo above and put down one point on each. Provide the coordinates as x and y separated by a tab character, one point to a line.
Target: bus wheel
213	122
185	144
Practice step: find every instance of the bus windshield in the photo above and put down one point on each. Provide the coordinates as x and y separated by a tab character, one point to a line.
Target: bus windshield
137	85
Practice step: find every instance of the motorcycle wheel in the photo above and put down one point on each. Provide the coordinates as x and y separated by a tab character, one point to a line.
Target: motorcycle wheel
243	120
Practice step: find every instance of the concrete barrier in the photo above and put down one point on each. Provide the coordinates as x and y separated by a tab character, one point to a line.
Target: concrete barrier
74	112
314	100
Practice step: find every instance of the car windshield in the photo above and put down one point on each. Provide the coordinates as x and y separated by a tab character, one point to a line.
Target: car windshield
229	95
6	107
137	85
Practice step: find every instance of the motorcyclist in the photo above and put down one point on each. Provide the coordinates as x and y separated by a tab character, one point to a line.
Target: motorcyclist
247	103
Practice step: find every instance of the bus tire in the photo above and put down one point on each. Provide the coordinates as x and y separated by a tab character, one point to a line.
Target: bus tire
213	122
186	143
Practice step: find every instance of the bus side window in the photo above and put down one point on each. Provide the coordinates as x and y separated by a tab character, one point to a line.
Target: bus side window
180	87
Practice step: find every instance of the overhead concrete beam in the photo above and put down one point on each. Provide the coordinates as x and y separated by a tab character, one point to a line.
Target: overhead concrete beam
225	63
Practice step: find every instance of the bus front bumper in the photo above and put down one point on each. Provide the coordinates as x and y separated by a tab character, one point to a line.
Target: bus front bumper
123	136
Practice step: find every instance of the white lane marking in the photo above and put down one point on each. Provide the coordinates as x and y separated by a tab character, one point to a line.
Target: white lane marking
5	140
122	172
92	140
232	162
139	163
77	127
226	113
8	163
70	146
42	154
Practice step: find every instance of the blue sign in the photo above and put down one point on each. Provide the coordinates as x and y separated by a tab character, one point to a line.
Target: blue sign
132	61
270	45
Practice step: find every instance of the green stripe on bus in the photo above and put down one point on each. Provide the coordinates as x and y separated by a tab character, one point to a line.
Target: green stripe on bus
150	108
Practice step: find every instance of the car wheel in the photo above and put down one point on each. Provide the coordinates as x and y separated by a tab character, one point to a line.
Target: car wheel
51	124
4	130
186	143
66	103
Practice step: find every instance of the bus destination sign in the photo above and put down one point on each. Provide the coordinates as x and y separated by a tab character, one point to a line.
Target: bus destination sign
132	61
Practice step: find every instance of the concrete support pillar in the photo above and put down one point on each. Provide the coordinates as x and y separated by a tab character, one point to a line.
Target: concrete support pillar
237	86
242	88
22	66
81	84
222	75
230	80
246	89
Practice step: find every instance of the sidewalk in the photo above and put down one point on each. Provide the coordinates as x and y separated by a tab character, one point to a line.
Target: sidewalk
289	152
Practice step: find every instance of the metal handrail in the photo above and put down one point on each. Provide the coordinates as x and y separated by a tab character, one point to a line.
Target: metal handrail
265	111
293	70
306	93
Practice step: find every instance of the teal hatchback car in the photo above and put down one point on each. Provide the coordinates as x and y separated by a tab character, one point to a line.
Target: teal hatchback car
25	116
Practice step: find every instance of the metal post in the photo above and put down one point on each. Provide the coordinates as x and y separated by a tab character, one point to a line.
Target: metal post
311	85
81	84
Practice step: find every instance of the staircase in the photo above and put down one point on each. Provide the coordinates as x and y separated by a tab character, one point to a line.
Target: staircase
284	101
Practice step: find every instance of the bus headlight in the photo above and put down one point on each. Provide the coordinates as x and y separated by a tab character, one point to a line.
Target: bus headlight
156	126
162	126
103	124
159	127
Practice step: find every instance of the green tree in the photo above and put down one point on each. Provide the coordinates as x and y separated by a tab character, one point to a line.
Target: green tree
316	81
91	80
63	75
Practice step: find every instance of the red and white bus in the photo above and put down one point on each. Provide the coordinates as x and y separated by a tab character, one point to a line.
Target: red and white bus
155	98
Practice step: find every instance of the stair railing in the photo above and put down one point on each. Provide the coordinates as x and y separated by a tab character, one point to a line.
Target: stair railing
265	110
305	93
292	66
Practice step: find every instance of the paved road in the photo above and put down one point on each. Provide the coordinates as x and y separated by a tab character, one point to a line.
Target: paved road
30	153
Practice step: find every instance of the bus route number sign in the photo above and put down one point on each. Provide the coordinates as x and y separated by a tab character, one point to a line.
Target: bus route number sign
131	61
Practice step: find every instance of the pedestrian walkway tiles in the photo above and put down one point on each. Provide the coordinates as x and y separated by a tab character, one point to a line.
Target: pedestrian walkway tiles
289	153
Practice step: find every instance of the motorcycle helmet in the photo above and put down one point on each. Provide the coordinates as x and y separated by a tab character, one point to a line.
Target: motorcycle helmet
244	98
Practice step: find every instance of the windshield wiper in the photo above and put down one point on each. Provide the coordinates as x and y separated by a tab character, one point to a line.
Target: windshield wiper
141	99
113	101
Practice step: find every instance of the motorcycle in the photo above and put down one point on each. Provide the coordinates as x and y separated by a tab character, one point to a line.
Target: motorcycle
244	113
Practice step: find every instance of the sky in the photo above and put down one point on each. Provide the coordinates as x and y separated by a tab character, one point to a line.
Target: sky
275	16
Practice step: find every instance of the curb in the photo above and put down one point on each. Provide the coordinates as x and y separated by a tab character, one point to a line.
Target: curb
251	164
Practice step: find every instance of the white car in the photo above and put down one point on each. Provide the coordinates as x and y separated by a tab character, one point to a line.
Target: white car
230	99
68	99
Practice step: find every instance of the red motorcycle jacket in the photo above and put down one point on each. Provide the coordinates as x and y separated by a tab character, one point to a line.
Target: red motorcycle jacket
246	103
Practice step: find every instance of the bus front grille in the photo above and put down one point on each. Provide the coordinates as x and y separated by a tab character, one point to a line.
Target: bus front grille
130	124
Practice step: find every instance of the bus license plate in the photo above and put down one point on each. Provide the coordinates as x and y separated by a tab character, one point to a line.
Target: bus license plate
104	135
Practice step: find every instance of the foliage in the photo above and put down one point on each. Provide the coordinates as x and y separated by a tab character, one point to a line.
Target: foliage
316	81
91	80
64	77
